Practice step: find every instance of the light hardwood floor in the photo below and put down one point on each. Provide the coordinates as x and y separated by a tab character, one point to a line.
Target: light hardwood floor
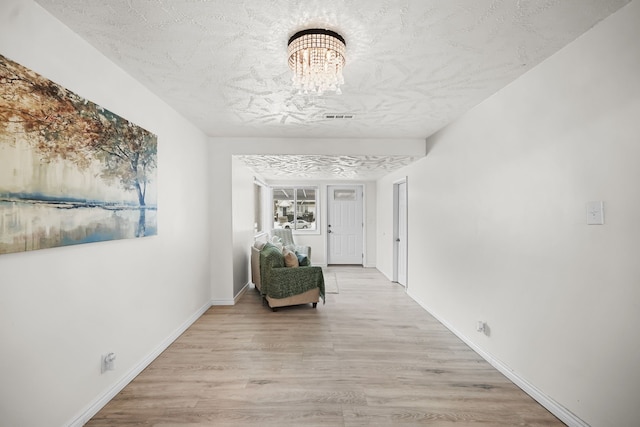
370	357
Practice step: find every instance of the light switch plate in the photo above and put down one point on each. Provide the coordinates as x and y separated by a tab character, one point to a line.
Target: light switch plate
595	213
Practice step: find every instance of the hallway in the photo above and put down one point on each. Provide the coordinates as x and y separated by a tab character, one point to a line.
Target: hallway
369	356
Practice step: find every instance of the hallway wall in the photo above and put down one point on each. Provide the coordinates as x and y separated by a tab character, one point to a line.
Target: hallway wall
497	226
61	309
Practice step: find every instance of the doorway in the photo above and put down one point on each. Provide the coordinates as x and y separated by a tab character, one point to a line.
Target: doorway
400	234
344	225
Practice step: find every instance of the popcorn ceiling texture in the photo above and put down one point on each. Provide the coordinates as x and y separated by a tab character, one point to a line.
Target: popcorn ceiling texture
325	167
412	66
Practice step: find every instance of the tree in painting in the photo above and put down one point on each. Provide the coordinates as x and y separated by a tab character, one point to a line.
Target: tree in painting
127	153
61	127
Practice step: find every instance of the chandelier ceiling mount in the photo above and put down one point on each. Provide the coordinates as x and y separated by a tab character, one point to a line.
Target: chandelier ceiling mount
316	57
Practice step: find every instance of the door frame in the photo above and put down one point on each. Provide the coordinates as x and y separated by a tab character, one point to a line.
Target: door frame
396	222
325	210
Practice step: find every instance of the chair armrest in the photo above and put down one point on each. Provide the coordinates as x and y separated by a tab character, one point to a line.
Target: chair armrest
304	250
255	267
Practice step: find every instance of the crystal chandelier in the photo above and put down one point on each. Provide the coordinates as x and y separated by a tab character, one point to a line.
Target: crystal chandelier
316	58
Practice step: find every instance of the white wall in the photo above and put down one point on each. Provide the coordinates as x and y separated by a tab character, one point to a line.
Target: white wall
62	308
222	238
498	232
243	220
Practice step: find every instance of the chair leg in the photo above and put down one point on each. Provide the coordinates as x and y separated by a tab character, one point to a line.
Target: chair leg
274	309
315	304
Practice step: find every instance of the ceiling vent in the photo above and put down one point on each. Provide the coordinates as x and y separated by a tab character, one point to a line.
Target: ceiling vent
339	116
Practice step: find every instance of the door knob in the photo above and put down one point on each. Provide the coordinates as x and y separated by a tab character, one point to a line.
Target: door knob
328	231
398	239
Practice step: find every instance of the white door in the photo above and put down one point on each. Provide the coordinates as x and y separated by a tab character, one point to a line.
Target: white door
400	232
344	225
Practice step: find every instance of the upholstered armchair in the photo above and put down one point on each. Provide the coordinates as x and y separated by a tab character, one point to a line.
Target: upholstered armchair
282	286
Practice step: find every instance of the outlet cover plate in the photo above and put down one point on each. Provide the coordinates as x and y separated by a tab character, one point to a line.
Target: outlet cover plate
595	213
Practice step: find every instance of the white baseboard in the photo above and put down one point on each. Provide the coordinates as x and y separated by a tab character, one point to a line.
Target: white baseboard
102	400
223	302
235	299
566	416
242	292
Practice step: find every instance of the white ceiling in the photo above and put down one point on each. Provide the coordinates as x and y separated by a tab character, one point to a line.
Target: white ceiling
413	66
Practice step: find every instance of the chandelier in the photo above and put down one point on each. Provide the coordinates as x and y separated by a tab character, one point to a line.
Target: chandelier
316	58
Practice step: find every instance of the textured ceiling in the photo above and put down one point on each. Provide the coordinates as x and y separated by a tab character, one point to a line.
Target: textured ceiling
313	167
412	66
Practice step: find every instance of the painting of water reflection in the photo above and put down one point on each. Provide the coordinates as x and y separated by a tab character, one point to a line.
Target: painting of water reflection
71	171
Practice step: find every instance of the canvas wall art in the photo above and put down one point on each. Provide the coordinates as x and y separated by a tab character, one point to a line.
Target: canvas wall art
71	171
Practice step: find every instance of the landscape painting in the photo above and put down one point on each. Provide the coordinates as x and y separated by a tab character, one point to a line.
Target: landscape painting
71	171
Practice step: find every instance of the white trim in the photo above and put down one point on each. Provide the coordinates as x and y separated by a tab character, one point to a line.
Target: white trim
396	226
260	235
365	253
235	299
260	181
401	180
242	292
97	404
565	415
215	302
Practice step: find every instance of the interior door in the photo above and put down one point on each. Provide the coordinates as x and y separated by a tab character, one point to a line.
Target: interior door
344	225
400	232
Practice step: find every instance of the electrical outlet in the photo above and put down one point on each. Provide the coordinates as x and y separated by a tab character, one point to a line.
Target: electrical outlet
595	213
108	362
480	326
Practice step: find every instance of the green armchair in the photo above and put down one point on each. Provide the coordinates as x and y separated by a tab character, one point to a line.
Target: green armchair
282	286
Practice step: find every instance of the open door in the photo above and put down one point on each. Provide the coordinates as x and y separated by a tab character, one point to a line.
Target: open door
400	235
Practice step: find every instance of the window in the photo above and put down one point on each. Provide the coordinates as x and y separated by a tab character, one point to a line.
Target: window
295	208
344	195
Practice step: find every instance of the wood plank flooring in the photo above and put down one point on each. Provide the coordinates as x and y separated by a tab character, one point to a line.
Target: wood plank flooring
370	357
